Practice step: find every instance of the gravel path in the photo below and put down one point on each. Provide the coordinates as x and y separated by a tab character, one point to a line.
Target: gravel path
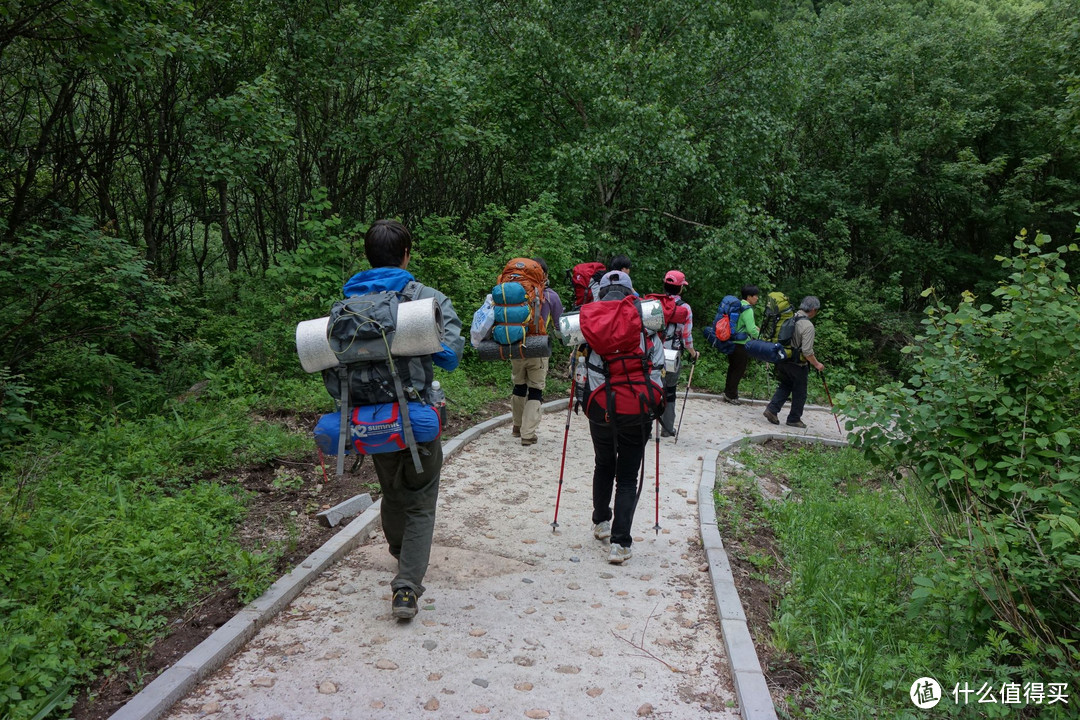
518	620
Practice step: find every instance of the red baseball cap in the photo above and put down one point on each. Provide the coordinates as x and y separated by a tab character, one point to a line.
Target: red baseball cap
674	277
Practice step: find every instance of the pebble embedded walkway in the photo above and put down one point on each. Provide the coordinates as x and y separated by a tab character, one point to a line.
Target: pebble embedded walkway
518	620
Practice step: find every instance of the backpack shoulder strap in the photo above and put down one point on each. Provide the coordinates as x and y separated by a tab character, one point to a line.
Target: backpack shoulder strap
411	289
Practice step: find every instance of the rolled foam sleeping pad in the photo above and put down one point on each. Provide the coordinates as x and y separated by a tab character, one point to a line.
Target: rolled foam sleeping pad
768	351
535	346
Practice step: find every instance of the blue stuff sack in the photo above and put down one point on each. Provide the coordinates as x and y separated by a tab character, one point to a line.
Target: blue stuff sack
512	313
509	293
771	352
377	428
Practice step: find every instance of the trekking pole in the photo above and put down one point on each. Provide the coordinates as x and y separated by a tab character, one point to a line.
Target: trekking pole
829	396
656	435
686	394
566	435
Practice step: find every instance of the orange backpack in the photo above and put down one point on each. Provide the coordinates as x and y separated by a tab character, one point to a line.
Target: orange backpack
517	309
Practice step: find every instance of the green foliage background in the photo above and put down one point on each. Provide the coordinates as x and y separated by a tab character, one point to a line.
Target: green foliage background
182	182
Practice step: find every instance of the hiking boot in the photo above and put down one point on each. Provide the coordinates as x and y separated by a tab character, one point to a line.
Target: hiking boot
619	554
516	432
602	531
403	606
771	417
730	400
797	423
665	433
528	441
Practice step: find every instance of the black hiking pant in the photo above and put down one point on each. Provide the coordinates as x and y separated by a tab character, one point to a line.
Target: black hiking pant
617	468
793	379
737	361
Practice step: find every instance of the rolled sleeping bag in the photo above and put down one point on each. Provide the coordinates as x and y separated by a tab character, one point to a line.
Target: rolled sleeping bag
569	330
419	332
535	346
770	352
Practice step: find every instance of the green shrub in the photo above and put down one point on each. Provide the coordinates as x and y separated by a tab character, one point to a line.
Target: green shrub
84	320
110	530
987	423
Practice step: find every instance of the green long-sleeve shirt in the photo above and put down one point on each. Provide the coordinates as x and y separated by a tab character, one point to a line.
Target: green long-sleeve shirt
747	323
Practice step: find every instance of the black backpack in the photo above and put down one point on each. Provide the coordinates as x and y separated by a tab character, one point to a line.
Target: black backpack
787	335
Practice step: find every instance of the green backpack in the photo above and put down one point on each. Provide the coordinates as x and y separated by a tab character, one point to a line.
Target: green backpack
777	309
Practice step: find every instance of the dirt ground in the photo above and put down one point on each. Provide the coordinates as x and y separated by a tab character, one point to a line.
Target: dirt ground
760	575
277	514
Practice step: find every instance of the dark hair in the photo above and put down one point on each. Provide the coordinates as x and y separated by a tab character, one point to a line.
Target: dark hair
386	243
673	289
748	290
619	262
542	263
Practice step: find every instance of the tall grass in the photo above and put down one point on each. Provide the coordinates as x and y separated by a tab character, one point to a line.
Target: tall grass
857	545
106	531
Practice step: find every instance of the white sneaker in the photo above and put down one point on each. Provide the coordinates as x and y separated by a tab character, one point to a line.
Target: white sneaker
602	531
619	554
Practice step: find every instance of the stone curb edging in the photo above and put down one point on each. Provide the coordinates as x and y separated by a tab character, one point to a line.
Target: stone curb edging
751	690
154	700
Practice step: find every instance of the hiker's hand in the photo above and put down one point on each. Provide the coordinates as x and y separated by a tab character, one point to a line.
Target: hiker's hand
818	365
694	353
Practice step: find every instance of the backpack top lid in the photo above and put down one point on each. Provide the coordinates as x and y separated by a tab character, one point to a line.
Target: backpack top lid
730	304
581	277
777	309
777	303
613	328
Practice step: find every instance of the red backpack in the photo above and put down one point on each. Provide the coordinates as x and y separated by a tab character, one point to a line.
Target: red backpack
582	277
615	331
676	312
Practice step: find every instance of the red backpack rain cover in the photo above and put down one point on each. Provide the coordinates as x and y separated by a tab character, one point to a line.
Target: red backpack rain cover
614	331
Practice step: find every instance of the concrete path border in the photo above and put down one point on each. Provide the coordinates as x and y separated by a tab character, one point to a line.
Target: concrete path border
153	701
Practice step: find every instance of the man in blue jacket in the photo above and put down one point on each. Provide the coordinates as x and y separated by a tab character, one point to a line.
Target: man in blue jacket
408	497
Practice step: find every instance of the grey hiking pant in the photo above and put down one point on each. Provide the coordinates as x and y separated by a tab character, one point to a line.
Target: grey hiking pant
408	510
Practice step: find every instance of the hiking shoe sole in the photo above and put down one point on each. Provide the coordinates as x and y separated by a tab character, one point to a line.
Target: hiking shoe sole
771	417
528	441
797	424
